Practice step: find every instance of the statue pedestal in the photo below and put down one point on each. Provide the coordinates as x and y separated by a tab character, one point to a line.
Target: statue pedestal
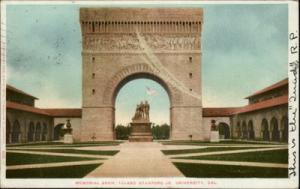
214	136
68	139
140	132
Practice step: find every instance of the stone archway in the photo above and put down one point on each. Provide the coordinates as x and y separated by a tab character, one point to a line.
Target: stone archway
58	131
224	130
114	55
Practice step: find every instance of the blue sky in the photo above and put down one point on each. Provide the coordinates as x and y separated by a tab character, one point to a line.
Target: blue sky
244	49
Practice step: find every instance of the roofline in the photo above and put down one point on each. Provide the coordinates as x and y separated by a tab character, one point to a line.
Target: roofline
26	108
12	88
264	90
264	107
50	111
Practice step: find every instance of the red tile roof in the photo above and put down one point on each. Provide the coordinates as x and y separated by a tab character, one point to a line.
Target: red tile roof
219	112
26	108
64	112
281	100
11	88
272	87
49	112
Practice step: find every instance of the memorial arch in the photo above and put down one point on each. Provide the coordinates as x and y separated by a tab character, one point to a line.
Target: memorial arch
122	44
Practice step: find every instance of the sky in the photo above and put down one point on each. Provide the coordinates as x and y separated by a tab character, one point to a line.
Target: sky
244	49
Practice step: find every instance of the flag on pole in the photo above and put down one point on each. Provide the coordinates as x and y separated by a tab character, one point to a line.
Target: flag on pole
151	92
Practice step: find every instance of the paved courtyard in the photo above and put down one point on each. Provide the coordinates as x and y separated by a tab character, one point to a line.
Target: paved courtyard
147	159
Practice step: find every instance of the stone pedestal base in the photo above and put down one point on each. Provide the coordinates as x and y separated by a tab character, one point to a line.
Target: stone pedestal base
214	136
140	132
68	139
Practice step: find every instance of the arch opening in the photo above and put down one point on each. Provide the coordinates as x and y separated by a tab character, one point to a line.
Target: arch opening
265	130
275	130
131	91
16	132
141	75
58	131
8	131
224	130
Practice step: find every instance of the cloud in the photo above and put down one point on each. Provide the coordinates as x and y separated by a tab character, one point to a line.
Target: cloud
244	49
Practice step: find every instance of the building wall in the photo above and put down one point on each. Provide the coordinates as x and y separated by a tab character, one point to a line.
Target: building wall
207	124
278	113
19	98
25	119
268	95
75	125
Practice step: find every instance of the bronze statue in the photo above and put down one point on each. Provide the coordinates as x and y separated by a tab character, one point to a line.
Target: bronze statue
142	112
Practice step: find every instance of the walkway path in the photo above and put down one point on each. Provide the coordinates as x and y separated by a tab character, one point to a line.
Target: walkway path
141	159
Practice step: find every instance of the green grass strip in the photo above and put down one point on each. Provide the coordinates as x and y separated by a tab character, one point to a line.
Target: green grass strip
209	149
229	171
74	171
75	151
63	144
205	143
274	156
22	159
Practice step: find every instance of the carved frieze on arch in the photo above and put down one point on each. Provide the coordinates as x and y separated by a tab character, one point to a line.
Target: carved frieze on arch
117	42
130	73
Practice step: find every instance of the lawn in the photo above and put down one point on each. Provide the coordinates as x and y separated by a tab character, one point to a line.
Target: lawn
21	159
229	171
75	171
75	151
274	156
209	149
60	144
205	143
